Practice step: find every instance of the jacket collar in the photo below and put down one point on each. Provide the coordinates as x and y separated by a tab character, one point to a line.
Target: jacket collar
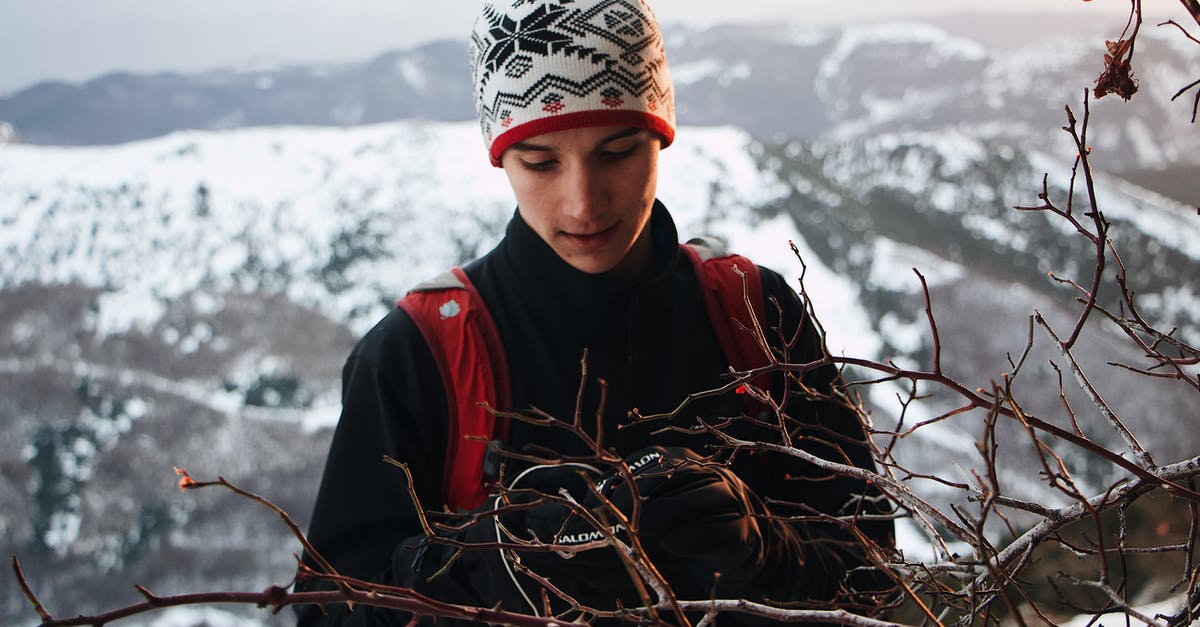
591	301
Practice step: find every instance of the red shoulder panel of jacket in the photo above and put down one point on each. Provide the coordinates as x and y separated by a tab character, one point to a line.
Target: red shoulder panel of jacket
470	358
733	296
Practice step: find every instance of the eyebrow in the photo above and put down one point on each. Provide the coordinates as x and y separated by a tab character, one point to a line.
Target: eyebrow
621	134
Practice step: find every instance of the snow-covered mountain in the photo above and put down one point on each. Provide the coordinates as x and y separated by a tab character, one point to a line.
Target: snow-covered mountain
1003	77
337	220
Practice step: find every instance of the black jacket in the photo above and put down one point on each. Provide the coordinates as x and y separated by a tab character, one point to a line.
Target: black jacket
651	341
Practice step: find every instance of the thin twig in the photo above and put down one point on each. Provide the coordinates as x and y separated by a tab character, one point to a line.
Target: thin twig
412	494
28	592
186	482
933	330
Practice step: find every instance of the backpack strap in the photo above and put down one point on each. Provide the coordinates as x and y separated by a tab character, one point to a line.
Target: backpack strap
470	358
732	293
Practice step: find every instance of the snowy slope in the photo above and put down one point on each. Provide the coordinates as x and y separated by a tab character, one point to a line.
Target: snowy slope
268	208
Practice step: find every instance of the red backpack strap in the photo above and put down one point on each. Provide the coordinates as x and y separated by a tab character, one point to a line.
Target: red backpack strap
725	294
466	346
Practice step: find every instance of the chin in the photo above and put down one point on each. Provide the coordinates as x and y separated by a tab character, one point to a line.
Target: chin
593	266
593	262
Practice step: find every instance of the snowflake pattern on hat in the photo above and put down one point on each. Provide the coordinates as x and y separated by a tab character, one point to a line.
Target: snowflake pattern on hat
546	65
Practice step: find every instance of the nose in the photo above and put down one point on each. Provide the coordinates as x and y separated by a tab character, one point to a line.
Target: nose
585	194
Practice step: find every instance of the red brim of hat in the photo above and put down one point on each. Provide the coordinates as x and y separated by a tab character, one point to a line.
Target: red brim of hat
581	119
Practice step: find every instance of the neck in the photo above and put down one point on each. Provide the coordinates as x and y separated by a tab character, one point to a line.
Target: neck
638	263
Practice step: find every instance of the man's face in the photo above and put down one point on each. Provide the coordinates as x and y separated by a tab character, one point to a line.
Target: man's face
588	193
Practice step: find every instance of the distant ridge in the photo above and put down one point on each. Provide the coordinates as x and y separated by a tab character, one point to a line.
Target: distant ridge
777	81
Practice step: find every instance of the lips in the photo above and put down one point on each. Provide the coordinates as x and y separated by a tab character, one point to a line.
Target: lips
593	240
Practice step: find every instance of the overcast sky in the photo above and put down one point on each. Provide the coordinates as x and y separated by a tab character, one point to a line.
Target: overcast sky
76	40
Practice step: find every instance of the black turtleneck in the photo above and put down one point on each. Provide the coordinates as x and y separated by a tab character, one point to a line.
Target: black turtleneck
650	339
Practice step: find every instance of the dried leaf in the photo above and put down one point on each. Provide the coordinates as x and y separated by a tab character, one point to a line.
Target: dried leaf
185	480
1117	77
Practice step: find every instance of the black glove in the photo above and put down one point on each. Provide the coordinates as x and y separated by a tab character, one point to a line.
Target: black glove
698	518
535	512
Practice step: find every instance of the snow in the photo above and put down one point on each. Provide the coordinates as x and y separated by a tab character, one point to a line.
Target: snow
120	311
280	198
882	110
996	230
1148	150
696	71
193	616
413	198
942	47
805	36
1170	222
1010	71
931	165
277	197
725	211
1152	610
890	255
323	414
835	298
263	208
63	529
137	408
906	336
413	73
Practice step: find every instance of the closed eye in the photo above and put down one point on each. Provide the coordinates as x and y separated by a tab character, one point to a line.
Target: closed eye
617	155
539	166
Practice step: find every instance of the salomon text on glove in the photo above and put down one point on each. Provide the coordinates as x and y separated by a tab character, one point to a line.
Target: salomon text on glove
704	528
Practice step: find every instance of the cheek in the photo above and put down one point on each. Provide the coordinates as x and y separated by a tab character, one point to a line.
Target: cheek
536	205
642	182
531	195
652	182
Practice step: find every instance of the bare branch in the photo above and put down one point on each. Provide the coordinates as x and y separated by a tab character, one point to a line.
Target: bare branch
28	592
1142	456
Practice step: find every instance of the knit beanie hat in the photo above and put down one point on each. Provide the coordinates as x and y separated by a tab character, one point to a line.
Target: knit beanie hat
541	66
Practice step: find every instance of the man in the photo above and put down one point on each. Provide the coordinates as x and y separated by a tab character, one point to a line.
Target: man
576	102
